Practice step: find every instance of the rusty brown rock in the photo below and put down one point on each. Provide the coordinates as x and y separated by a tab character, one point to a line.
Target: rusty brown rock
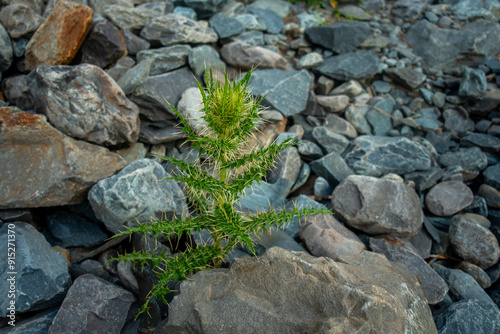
60	36
42	167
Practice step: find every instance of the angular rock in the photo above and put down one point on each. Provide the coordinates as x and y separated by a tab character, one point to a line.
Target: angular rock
16	90
84	102
203	57
376	156
134	195
176	29
135	44
44	167
492	176
473	83
326	236
471	9
449	197
408	9
126	17
486	142
226	26
281	7
380	118
20	19
407	77
309	150
58	39
330	141
467	158
37	324
321	187
340	37
476	272
458	121
205	8
92	306
469	46
104	45
264	196
269	18
265	290
378	206
356	115
6	52
90	3
246	56
304	173
357	65
135	76
425	179
286	91
165	59
287	166
35	262
473	243
310	60
331	167
250	22
341	126
154	95
402	251
334	104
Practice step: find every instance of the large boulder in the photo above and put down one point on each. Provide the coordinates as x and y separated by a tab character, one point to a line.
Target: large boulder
296	293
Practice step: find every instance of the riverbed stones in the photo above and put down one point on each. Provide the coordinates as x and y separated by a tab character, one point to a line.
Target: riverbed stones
43	167
378	206
449	197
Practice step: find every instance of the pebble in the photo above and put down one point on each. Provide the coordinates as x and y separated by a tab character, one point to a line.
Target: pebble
447	198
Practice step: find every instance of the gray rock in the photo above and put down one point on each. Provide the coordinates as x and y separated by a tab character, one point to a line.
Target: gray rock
402	251
491	195
457	121
190	106
84	102
356	115
6	51
476	272
376	156
255	38
177	29
226	26
188	12
205	8
71	230
408	9
336	103
447	198
44	167
326	236
203	57
378	206
126	17
292	227
471	45
341	126
425	179
357	65
492	176
265	290
268	18
407	77
281	7
287	166
154	95
20	20
36	262
467	158
330	141
134	43
134	195
473	9
164	132
247	56
380	118
331	167
340	37
135	76
473	242
285	91
52	3
310	60
250	22
92	306
486	142
321	187
473	83
264	196
165	59
37	324
16	90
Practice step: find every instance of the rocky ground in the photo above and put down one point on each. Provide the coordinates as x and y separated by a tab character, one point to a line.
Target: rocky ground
395	107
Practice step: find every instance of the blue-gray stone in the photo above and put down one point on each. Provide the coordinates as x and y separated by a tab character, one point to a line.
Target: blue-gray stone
226	26
427	95
205	8
269	18
292	227
309	150
42	278
469	10
329	140
37	324
425	179
408	9
135	44
407	77
381	87
287	166
457	120
135	76
255	38
486	142
6	52
71	230
188	12
263	196
307	20
203	57
358	65
286	91
467	158
165	59
321	187
304	173
376	156
331	167
340	37
473	83
20	47
381	122
492	176
135	195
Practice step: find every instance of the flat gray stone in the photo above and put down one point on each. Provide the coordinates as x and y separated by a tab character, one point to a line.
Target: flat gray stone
447	198
331	167
329	140
247	56
467	158
165	59
226	26
358	65
340	37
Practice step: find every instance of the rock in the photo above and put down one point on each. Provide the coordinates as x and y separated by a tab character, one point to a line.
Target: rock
378	206
52	3
16	90
425	179
321	187
350	88
250	22
310	60
264	196
486	142
408	9
6	52
491	195
330	141
205	8
287	166
190	106
285	91
356	116
407	77
20	20
154	95
304	173
492	176
472	9
257	291
340	37
281	7
246	56
205	56
402	251
472	44
476	272
135	76
325	236
226	26
473	243
84	102
292	227
65	168
309	150
35	262
336	103
376	156
176	29
458	121
36	324
188	12
93	305
331	167
341	126
58	39
71	230
473	83
134	43
274	238
447	198
133	195
379	117
467	316
357	65
467	158
104	45
126	17
165	59
255	38
268	18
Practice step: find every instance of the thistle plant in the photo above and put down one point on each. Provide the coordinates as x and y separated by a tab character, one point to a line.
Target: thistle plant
214	186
